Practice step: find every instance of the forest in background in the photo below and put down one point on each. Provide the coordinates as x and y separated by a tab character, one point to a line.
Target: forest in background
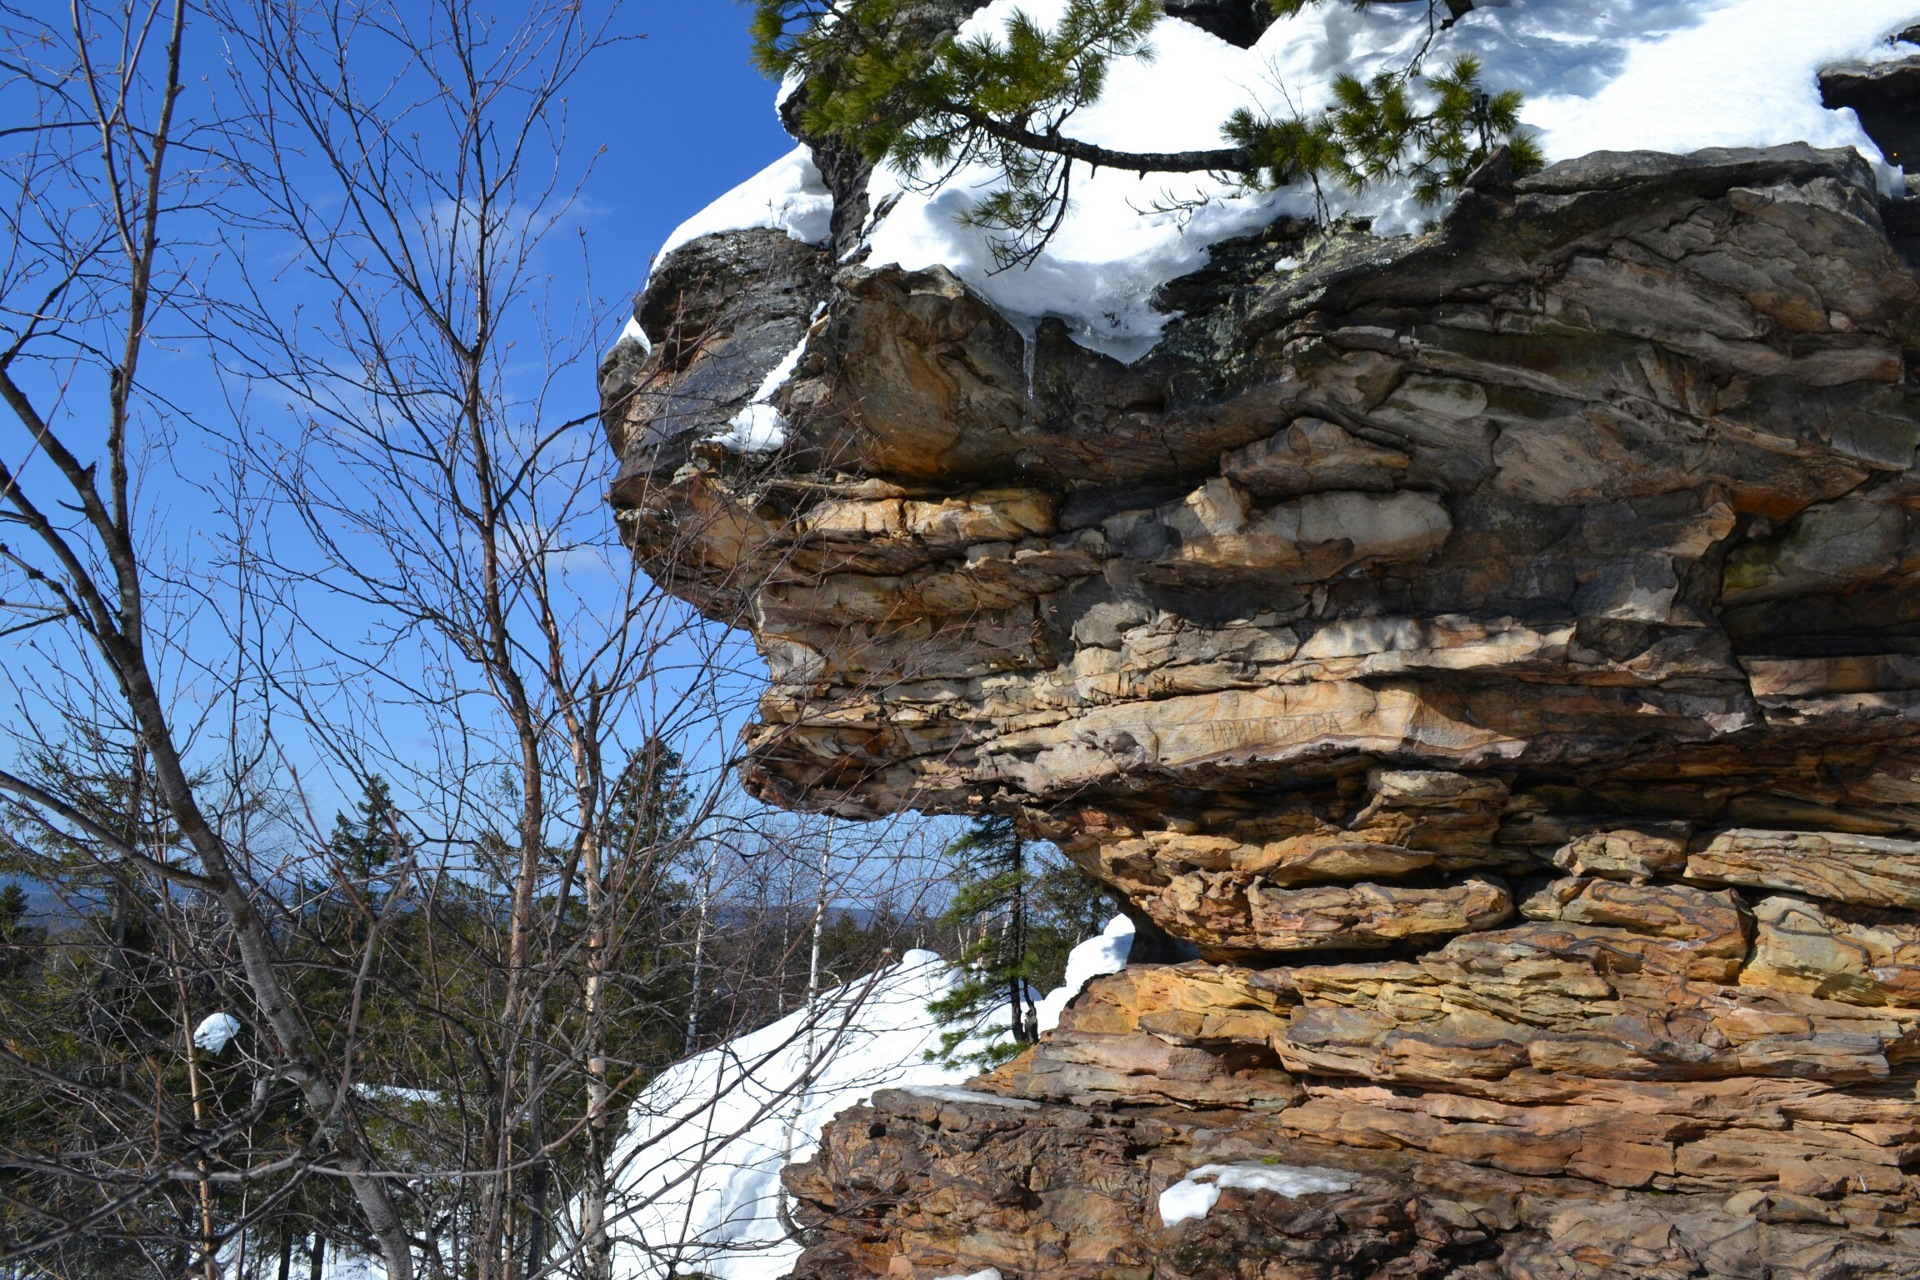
127	986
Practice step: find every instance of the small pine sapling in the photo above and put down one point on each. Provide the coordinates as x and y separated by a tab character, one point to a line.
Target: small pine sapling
901	90
1376	131
1464	129
992	906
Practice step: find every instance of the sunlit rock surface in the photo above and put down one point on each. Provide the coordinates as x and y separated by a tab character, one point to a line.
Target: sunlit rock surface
1489	661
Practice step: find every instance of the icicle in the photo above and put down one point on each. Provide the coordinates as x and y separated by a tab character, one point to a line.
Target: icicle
1028	327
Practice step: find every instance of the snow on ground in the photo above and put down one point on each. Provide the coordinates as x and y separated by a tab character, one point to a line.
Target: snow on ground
700	1162
1195	1195
338	1266
1104	954
1598	75
701	1158
698	1169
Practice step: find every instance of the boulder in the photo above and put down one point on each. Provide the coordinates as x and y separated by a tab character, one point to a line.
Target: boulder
1492	657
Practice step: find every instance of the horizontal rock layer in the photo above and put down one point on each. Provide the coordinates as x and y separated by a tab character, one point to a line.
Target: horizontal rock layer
911	1185
1492	658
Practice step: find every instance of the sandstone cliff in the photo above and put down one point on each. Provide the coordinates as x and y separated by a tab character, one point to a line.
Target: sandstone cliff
1490	661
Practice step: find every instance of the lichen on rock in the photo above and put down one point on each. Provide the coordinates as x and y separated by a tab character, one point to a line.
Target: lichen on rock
1490	658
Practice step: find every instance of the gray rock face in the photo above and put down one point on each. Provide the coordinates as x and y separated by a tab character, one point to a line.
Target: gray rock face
1494	653
719	341
1886	97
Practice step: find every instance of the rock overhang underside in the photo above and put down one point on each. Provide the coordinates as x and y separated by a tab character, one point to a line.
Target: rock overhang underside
1492	657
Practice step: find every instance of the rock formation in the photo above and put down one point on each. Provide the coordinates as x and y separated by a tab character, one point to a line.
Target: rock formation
1488	661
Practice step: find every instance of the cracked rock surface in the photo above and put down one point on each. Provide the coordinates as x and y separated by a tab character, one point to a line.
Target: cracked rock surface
1492	658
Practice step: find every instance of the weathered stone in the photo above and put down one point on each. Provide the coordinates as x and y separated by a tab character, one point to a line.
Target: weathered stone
1708	930
1333	917
1235	21
912	1186
1192	1036
1499	645
1627	854
1864	957
1312	455
1145	1067
1868	871
1886	97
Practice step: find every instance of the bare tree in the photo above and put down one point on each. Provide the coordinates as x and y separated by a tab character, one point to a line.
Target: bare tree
400	571
448	480
101	203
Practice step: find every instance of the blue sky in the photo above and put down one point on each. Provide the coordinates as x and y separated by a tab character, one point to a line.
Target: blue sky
684	117
321	680
668	122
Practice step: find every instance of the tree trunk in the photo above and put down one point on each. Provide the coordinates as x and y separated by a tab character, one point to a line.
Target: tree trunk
1026	1019
596	1247
692	1037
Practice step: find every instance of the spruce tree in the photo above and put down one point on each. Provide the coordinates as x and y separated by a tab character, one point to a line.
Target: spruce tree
1020	908
13	908
19	941
650	800
647	835
371	839
992	904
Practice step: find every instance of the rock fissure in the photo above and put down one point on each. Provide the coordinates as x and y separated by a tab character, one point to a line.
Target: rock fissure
1487	664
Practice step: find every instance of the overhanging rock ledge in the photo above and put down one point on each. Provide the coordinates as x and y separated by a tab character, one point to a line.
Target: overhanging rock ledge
1491	658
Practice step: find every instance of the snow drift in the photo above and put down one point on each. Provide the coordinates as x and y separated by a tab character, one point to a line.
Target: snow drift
699	1166
1598	75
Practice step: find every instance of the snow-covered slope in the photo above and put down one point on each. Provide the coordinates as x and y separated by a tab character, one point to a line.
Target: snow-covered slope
699	1166
1619	75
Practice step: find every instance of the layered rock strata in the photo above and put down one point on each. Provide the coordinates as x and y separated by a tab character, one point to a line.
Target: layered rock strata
1491	659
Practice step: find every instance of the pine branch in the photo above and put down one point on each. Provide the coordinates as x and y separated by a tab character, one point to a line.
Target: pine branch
921	100
1217	160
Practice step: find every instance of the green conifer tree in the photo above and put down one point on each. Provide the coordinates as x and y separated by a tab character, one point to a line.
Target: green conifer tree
650	800
13	908
1020	908
647	831
19	941
372	839
992	904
